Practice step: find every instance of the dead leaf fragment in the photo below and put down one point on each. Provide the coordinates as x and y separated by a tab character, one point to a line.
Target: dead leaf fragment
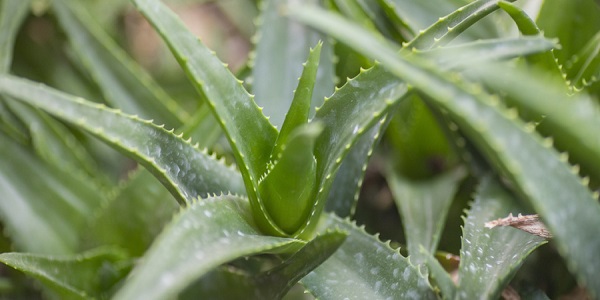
527	223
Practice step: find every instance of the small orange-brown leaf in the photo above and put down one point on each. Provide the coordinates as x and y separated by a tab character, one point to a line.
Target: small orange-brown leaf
528	223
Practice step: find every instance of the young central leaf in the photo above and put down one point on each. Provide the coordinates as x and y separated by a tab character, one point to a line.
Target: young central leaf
288	189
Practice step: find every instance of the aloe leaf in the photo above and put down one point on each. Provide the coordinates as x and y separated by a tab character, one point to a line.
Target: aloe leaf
288	188
208	233
584	68
123	83
250	134
489	258
365	268
528	27
298	113
572	121
353	11
80	276
573	22
417	15
185	170
423	206
441	279
57	145
448	27
281	46
510	147
135	214
316	251
12	14
474	53
345	188
46	213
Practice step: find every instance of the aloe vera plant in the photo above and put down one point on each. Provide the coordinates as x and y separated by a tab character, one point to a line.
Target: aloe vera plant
470	111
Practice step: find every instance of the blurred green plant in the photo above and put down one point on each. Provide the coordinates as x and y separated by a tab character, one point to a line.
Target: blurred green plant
451	90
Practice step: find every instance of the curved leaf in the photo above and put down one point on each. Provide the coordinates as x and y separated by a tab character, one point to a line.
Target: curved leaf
123	83
46	212
208	233
573	121
81	276
489	258
281	46
12	14
250	134
365	268
423	206
185	170
562	199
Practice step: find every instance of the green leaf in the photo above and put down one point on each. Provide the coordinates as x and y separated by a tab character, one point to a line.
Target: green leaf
572	121
449	27
506	143
281	46
489	258
528	27
185	170
584	68
418	15
82	276
365	268
135	214
283	277
423	206
43	208
573	22
12	14
250	134
123	83
298	113
288	189
474	53
56	144
208	233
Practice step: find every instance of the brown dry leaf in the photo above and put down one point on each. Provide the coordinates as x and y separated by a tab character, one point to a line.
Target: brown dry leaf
527	223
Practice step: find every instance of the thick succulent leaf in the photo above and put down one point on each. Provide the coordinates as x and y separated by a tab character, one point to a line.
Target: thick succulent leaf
288	189
415	157
418	15
572	121
80	276
439	276
56	144
489	258
284	276
365	268
512	148
423	206
281	47
46	213
123	83
208	233
528	27
12	14
133	217
474	53
184	169
345	188
353	11
340	134
250	134
377	13
346	116
448	27
299	109
584	67
573	22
